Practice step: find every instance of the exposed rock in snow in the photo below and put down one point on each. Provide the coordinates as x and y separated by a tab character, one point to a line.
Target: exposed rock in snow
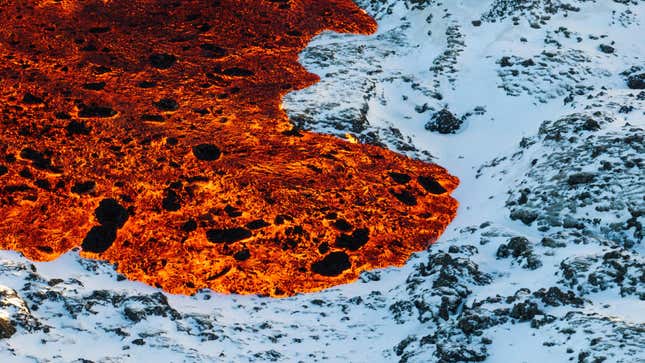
444	122
585	175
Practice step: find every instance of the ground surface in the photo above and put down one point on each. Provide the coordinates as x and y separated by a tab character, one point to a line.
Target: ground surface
544	261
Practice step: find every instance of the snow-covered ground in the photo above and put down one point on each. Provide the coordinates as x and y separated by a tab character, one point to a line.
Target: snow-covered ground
544	261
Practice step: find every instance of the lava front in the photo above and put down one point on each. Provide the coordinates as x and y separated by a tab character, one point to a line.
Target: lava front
150	134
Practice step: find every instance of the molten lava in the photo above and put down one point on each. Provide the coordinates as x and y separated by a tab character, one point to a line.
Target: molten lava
150	133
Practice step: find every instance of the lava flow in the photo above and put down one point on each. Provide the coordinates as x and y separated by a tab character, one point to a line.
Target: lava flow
150	134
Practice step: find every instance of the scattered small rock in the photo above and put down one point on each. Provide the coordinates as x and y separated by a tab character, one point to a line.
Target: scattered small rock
444	122
605	48
636	81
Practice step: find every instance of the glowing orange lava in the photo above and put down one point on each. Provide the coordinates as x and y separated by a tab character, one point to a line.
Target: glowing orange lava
150	133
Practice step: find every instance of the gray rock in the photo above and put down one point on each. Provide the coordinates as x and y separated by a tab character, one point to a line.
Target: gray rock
605	48
525	215
444	122
636	81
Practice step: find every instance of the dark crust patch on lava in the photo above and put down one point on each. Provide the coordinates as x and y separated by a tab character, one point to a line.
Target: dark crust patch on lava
332	265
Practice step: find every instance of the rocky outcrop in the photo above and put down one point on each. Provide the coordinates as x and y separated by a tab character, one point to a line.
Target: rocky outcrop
444	122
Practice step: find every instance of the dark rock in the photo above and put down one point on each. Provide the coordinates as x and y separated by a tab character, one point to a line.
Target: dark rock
581	178
257	224
7	330
400	177
331	216
30	99
570	222
270	355
605	48
238	72
323	248
213	51
139	307
111	213
89	48
444	122
99	29
94	111
162	60
636	81
62	116
152	118
471	322
294	131
171	202
26	173
147	84
54	282
505	62
332	265
458	353
431	185
43	184
84	187
520	248
525	311
556	297
202	28
591	125
354	241
135	315
3	170
342	225
517	246
189	226
281	218
206	152
77	128
99	239
399	349
404	197
550	242
532	262
38	159
232	211
227	235
528	62
94	86
525	215
542	320
167	104
617	269
242	255
102	70
626	109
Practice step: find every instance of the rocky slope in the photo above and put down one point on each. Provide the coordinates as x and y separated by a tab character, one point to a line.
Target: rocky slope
538	106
